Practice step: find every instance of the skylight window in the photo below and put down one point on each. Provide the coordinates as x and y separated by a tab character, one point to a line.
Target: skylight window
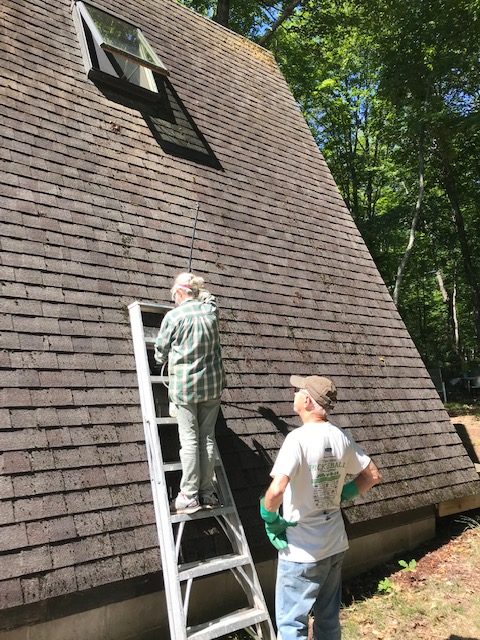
124	67
119	48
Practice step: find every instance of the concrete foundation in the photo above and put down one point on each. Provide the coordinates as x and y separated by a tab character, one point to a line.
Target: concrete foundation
368	551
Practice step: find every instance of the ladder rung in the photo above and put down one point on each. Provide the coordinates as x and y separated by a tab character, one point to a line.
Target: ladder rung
201	514
149	340
172	466
151	307
177	466
158	379
226	624
166	420
212	565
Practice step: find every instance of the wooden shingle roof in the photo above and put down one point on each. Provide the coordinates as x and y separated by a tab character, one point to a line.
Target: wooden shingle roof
96	215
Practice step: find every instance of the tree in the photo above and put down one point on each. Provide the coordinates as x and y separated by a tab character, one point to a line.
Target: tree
429	54
256	20
391	93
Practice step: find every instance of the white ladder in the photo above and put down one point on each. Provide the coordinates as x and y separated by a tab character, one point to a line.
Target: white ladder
145	319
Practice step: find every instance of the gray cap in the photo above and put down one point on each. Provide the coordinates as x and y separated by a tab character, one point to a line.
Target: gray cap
321	389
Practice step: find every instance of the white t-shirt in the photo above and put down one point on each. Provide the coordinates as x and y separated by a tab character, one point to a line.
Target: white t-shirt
316	457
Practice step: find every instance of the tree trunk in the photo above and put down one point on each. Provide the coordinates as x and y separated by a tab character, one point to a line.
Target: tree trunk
455	319
415	219
450	186
286	13
451	304
222	14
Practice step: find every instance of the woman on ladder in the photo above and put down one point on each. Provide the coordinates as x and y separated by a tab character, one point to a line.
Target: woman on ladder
189	339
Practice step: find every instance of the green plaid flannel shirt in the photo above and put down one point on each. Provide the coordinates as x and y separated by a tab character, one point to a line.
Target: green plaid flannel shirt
189	338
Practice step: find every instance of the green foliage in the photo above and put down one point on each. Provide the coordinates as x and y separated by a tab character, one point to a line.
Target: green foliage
372	77
408	566
379	81
461	409
247	17
385	586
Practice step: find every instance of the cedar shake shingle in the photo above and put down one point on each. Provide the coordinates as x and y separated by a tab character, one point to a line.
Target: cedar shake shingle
96	215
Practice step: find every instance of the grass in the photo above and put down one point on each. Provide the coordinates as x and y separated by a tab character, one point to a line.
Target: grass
463	408
437	600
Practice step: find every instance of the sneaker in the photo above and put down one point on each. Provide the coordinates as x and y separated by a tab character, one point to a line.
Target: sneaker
184	504
209	501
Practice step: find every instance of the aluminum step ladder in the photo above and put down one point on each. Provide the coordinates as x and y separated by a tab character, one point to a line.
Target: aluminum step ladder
178	575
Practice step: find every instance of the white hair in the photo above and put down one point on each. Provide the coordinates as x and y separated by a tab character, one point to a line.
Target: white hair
190	282
317	408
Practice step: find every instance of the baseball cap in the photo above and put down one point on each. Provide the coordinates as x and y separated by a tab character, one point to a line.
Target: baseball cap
321	389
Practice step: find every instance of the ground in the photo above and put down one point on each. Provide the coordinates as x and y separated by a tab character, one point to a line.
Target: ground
436	596
436	599
468	421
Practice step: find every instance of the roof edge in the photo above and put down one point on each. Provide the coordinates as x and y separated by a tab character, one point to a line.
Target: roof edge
254	45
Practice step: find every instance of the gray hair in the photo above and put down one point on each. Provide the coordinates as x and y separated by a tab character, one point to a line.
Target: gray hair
190	281
316	407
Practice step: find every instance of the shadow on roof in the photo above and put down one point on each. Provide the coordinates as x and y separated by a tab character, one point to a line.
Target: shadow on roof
165	115
280	424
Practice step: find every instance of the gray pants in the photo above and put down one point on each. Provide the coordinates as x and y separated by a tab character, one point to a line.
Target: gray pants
196	429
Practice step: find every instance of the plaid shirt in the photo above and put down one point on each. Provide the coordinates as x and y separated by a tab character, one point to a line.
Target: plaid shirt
189	338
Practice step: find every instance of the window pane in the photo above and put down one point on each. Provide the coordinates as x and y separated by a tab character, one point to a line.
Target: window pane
136	74
122	36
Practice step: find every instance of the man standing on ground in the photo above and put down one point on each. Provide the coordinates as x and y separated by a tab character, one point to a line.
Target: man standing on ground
189	338
309	479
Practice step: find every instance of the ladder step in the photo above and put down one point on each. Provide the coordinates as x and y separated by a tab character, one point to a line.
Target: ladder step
212	565
177	466
166	420
227	624
172	466
201	514
158	379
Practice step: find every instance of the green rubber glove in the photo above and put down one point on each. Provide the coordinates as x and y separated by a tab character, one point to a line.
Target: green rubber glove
349	491
275	526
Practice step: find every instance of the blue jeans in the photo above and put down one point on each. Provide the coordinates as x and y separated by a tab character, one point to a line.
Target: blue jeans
303	586
196	429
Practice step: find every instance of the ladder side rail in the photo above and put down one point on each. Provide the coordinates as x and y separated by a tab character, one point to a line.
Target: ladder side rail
237	530
229	531
178	540
176	618
237	537
186	601
247	582
250	584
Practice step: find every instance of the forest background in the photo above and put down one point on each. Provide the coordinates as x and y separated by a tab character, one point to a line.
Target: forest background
391	92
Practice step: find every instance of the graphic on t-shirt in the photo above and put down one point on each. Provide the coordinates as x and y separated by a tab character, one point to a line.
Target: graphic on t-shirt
325	477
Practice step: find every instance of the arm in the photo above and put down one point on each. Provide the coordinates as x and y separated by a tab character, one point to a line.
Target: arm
164	340
365	480
368	478
274	494
206	297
